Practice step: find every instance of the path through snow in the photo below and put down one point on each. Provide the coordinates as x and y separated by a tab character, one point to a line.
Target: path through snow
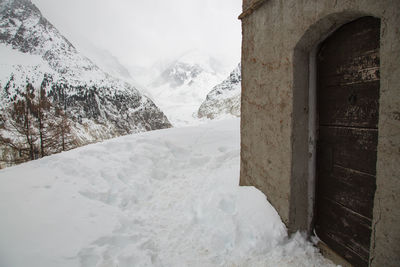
161	198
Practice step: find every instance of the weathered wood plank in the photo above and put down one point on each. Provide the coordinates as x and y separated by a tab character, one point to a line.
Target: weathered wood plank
359	69
349	42
344	227
356	105
353	148
354	190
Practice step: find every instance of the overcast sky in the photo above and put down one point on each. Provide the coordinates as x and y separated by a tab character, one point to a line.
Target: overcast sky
141	32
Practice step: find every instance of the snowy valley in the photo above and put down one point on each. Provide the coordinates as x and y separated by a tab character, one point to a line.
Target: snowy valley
95	105
183	84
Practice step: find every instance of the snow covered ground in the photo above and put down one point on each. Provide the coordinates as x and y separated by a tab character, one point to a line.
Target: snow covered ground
161	198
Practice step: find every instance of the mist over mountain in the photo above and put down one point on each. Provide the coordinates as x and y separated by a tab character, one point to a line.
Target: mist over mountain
105	60
183	84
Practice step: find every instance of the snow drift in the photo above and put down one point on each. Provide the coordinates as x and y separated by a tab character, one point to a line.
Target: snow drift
161	198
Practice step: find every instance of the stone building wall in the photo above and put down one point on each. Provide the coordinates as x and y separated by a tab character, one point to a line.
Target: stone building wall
278	38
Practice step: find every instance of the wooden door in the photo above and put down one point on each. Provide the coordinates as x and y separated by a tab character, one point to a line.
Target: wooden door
348	105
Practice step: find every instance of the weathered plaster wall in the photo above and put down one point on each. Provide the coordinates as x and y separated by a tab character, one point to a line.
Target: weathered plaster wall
278	37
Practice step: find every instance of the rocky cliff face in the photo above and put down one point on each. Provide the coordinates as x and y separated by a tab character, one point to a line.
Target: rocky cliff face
69	77
98	105
224	98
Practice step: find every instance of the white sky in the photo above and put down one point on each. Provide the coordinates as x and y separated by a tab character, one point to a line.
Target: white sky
141	32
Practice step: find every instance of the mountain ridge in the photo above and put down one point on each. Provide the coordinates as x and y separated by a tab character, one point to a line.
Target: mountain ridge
224	98
98	105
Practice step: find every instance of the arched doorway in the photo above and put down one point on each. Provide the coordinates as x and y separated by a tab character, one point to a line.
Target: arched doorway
347	131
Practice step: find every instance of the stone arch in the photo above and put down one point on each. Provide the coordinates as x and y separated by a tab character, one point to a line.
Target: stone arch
303	145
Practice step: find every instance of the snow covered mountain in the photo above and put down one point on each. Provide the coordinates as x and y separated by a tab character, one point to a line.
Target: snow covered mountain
105	60
98	105
224	98
183	84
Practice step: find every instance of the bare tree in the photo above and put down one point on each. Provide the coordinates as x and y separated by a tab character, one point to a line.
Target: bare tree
63	131
18	131
33	127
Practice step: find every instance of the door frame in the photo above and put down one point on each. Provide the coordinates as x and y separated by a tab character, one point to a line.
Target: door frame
313	122
304	120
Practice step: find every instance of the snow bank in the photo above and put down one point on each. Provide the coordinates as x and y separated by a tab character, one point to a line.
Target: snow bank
161	198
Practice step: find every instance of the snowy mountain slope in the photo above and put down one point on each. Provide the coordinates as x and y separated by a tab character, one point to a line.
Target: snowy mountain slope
105	60
224	98
161	198
183	84
91	97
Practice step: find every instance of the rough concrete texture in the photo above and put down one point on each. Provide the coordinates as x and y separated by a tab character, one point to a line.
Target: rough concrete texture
278	38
